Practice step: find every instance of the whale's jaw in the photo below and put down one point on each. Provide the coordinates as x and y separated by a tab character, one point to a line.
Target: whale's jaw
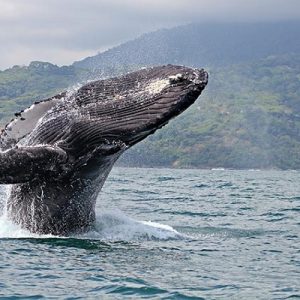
170	95
135	105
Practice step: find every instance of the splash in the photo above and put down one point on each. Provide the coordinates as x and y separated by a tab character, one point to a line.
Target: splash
110	226
10	230
116	226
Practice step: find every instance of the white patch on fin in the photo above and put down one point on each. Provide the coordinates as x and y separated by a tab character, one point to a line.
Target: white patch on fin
26	121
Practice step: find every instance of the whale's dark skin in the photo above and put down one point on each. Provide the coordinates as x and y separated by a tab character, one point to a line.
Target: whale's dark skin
58	153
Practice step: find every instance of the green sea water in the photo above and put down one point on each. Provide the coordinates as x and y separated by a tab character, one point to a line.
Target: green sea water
167	234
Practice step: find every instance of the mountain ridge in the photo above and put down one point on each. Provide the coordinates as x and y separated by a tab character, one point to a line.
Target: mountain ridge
248	117
202	45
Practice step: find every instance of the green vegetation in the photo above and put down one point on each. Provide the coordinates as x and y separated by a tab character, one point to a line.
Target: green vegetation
248	117
21	86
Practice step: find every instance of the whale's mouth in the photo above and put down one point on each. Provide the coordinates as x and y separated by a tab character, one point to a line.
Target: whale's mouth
131	107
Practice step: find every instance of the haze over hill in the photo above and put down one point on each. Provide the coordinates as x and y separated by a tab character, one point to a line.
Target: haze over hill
202	45
249	116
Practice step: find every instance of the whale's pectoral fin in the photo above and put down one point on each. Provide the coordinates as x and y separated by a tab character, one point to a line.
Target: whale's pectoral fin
19	165
25	121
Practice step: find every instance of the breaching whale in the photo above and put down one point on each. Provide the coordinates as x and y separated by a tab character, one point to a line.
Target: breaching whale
58	153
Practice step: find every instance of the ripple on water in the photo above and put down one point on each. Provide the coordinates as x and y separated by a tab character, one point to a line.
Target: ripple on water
165	178
230	235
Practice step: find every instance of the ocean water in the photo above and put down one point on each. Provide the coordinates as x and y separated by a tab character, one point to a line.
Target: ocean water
167	234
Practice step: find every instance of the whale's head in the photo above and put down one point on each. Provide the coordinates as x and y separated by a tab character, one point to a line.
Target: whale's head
129	108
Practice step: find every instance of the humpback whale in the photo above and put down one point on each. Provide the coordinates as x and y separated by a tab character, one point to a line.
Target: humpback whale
58	153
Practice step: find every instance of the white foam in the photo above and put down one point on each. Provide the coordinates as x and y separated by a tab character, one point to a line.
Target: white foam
116	226
13	231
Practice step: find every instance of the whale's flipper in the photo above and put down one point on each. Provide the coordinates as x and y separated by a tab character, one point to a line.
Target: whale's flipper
25	121
19	165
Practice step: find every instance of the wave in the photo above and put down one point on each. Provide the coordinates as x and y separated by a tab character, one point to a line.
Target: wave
110	226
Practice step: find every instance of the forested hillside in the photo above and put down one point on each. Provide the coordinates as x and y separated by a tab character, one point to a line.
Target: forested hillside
21	86
248	117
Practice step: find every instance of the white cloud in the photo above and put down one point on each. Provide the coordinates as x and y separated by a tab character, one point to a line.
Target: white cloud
63	31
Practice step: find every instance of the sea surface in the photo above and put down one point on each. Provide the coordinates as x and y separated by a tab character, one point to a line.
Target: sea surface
167	234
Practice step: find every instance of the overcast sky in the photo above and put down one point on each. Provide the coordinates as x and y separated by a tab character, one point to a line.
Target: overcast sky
62	31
